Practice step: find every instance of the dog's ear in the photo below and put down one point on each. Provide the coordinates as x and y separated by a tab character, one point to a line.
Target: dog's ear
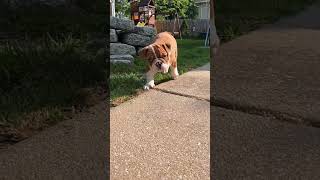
167	48
143	53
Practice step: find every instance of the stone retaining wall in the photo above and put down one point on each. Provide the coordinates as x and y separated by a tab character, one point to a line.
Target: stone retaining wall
126	39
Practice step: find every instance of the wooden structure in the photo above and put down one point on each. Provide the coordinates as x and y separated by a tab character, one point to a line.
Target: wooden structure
193	27
113	8
143	11
176	31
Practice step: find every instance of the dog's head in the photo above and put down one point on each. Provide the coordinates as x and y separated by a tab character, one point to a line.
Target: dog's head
157	55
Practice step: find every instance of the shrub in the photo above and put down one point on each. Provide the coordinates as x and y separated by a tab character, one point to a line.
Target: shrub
45	73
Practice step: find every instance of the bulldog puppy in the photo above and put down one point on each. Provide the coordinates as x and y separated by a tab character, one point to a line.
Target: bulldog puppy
161	55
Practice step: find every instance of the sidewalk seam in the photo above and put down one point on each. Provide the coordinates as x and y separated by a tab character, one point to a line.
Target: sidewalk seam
180	94
248	109
281	116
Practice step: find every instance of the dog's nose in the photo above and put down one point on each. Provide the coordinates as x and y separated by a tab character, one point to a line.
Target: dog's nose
158	64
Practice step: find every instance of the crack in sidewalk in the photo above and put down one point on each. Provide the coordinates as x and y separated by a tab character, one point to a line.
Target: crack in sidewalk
248	109
280	116
180	94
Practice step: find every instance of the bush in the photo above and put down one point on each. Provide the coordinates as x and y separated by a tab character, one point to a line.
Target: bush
52	58
46	73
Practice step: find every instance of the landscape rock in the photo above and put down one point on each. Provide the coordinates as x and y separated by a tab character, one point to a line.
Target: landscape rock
118	32
122	49
121	24
136	39
145	31
113	36
126	39
128	59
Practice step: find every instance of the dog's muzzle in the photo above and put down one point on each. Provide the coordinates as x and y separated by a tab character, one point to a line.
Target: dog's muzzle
158	64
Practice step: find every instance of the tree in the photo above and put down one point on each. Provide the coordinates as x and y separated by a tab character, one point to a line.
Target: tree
185	8
122	8
192	11
165	8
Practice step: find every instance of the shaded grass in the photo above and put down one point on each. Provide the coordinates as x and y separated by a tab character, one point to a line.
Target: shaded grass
127	80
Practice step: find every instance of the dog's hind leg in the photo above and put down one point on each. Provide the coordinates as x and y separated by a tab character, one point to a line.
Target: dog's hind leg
174	67
174	71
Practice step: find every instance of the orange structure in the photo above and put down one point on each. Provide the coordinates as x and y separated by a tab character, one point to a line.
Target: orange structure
143	11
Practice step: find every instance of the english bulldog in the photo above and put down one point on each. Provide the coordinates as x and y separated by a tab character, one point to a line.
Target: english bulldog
161	55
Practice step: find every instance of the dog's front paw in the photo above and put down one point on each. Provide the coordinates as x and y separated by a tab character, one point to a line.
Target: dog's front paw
175	76
148	86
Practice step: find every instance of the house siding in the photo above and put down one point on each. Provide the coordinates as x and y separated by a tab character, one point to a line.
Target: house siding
203	9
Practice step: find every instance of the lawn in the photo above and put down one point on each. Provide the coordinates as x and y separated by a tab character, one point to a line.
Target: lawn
127	80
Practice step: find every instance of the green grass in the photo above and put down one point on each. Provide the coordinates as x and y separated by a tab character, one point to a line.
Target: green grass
127	80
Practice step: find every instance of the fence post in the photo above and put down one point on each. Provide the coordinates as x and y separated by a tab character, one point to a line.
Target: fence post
214	39
113	7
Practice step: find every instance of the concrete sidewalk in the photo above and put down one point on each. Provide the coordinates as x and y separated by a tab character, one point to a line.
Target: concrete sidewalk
164	133
266	102
73	149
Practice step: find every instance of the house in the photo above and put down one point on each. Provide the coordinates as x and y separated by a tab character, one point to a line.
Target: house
203	9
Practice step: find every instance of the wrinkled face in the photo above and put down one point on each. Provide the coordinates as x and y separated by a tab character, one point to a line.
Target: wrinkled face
160	65
157	56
